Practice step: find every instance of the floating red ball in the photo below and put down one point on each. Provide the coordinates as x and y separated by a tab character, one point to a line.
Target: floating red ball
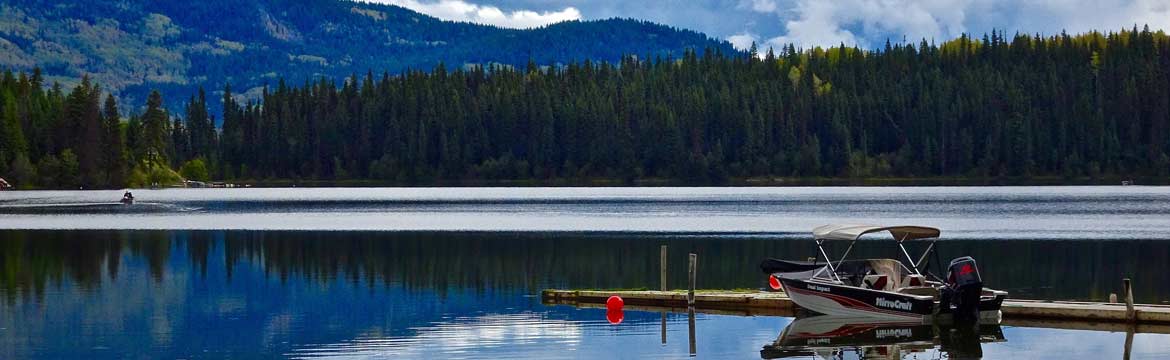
773	282
615	316
614	303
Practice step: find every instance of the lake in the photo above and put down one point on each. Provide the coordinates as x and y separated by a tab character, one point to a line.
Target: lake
306	273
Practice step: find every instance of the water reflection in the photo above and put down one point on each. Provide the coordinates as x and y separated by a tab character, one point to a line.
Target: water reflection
834	337
216	294
466	335
529	262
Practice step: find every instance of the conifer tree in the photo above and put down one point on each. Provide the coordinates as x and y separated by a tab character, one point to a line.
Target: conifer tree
113	144
155	131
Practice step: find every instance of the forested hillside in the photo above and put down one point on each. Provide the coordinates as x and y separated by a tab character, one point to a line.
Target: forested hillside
134	46
1074	106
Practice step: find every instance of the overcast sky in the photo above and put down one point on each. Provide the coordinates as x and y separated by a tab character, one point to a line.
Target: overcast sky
867	23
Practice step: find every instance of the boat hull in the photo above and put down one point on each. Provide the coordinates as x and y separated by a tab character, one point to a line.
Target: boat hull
833	299
840	300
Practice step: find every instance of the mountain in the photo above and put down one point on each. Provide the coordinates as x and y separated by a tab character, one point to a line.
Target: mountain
133	46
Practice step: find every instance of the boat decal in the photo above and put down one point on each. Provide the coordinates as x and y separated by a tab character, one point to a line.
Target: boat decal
816	287
894	333
820	341
895	304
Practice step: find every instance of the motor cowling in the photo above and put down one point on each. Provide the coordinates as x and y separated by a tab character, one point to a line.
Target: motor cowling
966	286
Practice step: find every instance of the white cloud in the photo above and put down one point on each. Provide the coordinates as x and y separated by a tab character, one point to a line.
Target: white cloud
1105	15
860	22
459	10
743	41
762	6
868	23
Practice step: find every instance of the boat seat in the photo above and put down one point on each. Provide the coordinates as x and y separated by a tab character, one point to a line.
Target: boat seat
914	280
877	282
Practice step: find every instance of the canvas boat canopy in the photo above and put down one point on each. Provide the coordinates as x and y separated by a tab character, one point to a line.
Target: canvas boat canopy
851	232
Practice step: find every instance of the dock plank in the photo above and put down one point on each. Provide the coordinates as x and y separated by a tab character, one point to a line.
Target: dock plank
778	302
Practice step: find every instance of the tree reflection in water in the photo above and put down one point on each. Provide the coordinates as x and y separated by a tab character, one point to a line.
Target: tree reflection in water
120	294
32	260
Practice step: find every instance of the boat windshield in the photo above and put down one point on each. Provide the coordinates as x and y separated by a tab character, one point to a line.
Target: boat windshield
852	272
852	233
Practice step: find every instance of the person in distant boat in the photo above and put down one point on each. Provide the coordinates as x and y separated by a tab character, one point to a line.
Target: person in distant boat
127	198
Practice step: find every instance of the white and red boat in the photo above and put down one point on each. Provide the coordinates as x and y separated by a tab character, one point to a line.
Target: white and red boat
886	288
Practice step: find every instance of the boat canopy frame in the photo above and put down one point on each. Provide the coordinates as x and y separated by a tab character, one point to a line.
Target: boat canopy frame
854	232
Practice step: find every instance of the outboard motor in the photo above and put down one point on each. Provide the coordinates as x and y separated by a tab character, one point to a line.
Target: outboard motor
965	287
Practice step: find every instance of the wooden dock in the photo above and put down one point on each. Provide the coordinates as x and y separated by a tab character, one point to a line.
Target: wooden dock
1068	314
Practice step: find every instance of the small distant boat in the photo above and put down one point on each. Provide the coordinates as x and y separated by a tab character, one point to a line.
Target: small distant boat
127	199
4	185
886	288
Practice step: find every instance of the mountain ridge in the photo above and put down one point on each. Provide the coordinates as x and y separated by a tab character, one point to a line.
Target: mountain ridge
131	47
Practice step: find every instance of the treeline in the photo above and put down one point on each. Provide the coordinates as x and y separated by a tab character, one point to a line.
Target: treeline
1074	106
79	139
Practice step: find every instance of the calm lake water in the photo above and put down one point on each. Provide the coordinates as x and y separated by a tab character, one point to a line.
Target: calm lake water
457	272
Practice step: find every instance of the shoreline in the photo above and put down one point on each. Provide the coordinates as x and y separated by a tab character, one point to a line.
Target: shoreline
660	182
733	182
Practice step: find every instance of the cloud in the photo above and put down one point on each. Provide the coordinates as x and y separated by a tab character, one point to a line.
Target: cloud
869	23
1105	15
762	6
743	41
459	10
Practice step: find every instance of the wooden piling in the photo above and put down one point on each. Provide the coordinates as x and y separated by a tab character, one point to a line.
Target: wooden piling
663	327
691	326
662	268
1128	343
691	280
662	284
1127	287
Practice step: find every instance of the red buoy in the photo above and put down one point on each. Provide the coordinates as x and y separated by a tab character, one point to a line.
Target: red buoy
614	303
615	316
774	282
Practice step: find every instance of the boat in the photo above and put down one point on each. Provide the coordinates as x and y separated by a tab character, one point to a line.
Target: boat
127	199
886	288
4	185
833	337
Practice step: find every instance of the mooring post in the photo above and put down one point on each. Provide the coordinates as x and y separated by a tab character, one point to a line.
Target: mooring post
691	326
691	280
663	327
662	268
1127	287
1129	342
662	284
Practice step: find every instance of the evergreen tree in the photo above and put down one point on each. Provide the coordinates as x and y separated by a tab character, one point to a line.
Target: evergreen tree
155	132
114	145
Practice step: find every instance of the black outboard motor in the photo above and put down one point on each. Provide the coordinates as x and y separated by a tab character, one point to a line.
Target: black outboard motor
965	286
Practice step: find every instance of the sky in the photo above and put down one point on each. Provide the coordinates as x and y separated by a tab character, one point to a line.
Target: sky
807	23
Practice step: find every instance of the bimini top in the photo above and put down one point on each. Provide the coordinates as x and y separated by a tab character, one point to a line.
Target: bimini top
852	232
